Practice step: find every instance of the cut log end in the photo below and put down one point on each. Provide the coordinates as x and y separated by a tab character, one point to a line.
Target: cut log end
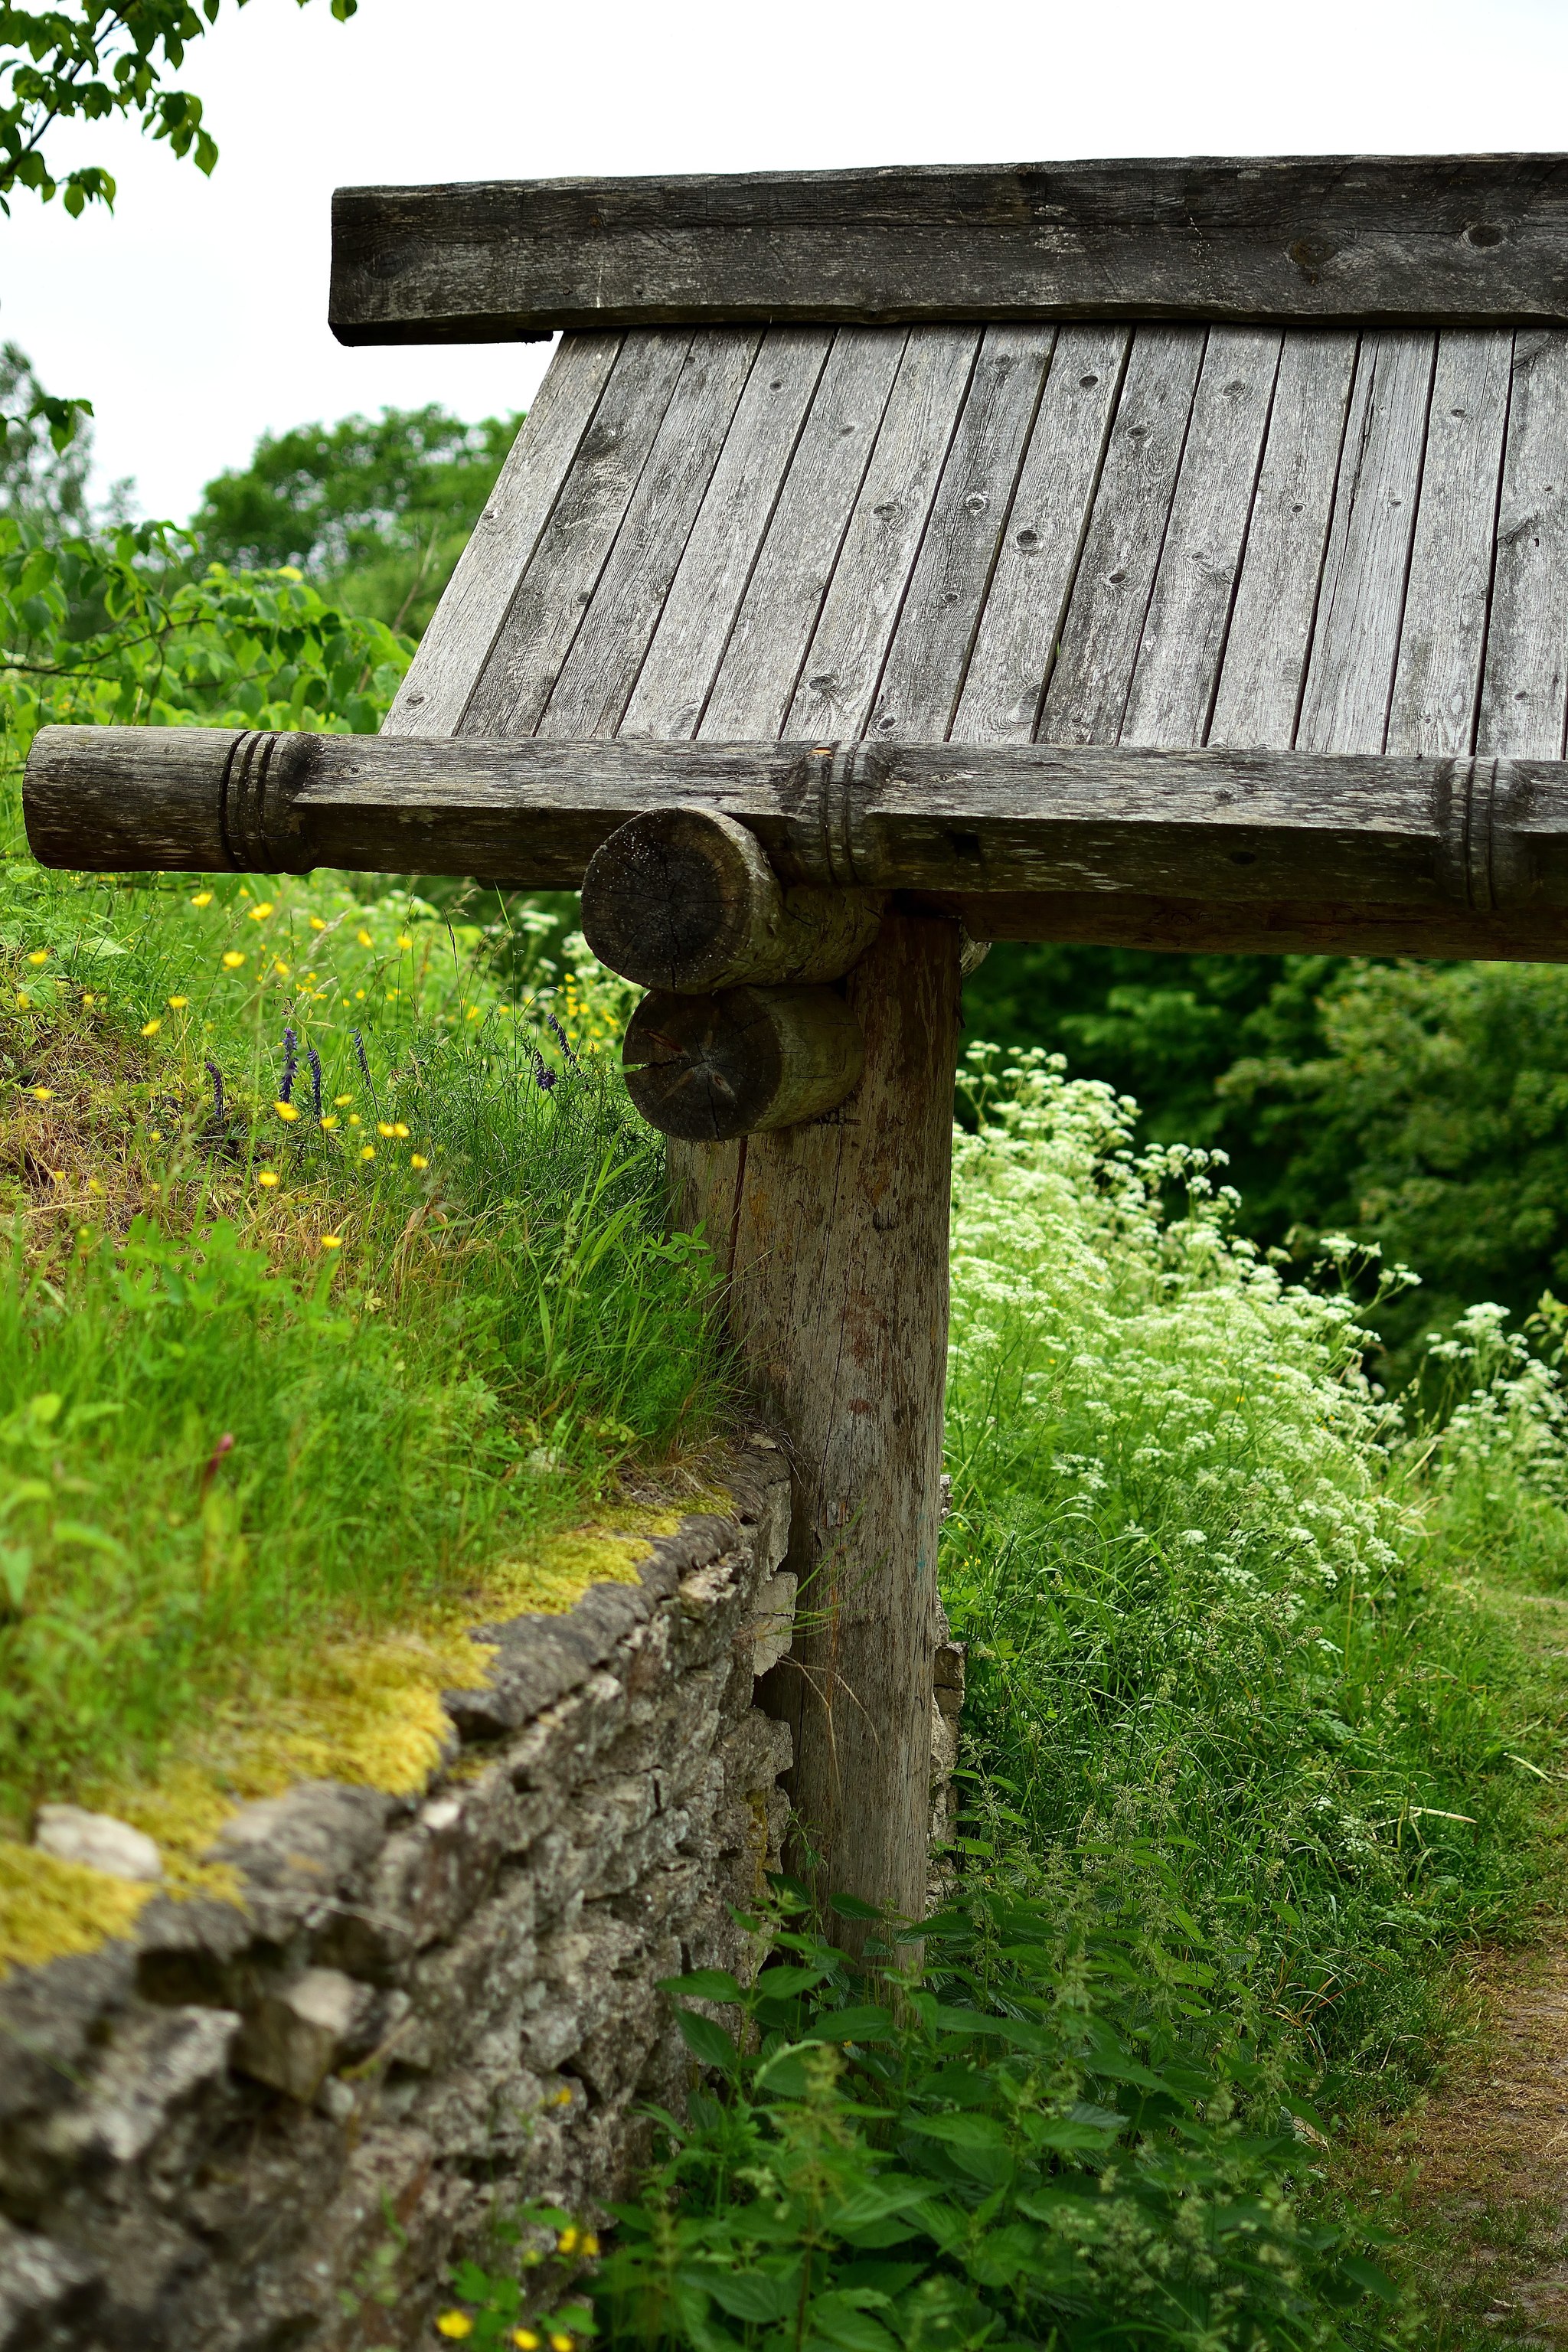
683	899
709	1068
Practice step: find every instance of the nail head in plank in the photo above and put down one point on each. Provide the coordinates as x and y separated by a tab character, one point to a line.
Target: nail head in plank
1472	239
1349	677
457	644
1043	534
861	607
762	661
1087	697
930	652
1442	643
1270	637
1526	679
591	693
1184	630
558	584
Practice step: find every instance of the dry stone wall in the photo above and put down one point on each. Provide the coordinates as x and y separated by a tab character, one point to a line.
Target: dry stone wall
269	2128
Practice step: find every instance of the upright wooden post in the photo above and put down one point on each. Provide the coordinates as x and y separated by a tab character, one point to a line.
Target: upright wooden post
837	1236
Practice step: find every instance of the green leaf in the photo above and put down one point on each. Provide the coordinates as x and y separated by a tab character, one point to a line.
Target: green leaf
757	2296
704	1984
706	2041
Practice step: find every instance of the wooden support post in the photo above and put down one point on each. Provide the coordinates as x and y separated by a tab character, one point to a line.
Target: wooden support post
835	1234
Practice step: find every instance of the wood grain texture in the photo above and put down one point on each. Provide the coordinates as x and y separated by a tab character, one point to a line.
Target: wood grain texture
1088	692
1524	691
1037	561
838	1245
742	1061
1178	660
924	672
1264	665
762	661
1391	239
1361	605
1442	642
1292	927
592	692
716	565
455	647
851	642
555	588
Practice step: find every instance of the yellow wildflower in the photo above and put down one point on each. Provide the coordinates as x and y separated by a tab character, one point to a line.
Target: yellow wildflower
286	1112
567	2240
269	1177
382	1128
331	1241
233	959
176	1003
473	1013
22	1003
404	940
392	993
203	899
40	955
401	1132
316	924
354	1119
560	2343
368	1153
343	1100
151	1028
280	967
93	1185
330	1119
591	2246
455	2323
359	996
259	912
42	1094
363	937
415	1160
525	2339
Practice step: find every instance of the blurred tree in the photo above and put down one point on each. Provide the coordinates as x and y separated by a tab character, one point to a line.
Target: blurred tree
43	471
375	512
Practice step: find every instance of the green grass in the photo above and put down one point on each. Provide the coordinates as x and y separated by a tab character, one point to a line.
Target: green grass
268	1367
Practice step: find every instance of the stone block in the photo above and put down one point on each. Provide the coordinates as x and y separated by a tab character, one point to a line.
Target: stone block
98	1841
295	2036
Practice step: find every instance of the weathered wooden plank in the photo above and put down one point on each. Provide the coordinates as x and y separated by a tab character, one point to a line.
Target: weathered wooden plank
851	642
1525	685
711	577
1041	541
1478	239
1177	665
1232	827
592	692
467	621
1214	927
558	584
1087	697
927	660
1442	643
762	661
1265	658
1350	678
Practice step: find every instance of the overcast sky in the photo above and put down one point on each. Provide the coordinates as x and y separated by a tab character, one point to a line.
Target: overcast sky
195	318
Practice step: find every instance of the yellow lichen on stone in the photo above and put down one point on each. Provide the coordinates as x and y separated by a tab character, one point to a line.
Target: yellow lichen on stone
560	1569
49	1908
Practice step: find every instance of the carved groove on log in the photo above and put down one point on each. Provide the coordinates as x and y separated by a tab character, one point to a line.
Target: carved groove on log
742	1061
684	899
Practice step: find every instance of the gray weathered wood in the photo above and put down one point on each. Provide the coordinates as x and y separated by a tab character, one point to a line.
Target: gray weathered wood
1443	640
1350	678
926	663
1270	637
455	647
1209	925
597	679
849	643
683	899
716	565
1177	667
1225	825
1478	239
762	661
740	1062
1088	692
1525	687
536	635
1035	564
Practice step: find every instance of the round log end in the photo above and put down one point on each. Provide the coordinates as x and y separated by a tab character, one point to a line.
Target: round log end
123	800
679	898
709	1068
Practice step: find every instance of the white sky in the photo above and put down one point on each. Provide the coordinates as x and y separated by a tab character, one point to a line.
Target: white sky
195	317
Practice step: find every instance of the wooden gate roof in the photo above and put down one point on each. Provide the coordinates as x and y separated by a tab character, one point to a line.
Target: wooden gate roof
1163	533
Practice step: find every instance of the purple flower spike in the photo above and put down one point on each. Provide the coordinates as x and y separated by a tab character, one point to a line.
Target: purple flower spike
216	1076
315	1061
290	1064
564	1042
544	1076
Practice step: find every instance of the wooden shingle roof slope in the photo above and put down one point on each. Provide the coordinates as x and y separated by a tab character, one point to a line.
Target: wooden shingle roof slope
1098	532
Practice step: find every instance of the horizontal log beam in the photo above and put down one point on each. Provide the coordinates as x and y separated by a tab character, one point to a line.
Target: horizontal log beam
1478	845
1455	240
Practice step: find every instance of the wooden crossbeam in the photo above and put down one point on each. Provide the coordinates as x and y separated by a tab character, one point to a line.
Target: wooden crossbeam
1458	856
1455	240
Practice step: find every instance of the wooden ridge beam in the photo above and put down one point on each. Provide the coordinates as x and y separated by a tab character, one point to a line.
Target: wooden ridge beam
1443	848
1473	240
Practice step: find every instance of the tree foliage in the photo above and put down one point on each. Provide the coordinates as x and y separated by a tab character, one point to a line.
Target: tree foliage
90	61
376	512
